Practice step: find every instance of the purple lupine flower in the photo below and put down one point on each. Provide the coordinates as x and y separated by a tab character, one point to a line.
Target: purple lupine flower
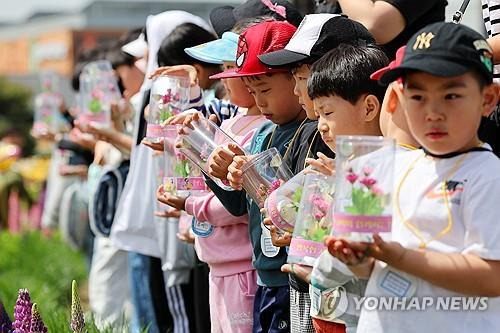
368	182
37	325
5	323
22	312
77	321
352	177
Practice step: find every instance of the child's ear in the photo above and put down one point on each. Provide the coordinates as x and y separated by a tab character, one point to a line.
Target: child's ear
372	107
395	96
490	98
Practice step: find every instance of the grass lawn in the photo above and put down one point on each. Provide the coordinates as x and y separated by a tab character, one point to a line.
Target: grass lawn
46	268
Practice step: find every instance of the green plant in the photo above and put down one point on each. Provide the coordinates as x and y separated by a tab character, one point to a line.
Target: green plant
44	266
366	197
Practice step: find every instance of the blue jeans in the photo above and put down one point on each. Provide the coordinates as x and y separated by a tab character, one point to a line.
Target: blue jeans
139	268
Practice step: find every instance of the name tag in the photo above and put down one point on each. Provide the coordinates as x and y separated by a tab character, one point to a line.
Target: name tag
202	229
266	243
397	283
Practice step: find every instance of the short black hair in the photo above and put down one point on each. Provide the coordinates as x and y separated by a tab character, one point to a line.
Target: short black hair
248	22
345	71
185	35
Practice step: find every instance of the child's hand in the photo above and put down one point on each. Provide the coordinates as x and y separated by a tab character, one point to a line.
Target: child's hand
168	213
156	146
279	238
186	236
179	70
389	252
300	271
235	173
171	200
221	159
82	139
323	164
353	254
350	253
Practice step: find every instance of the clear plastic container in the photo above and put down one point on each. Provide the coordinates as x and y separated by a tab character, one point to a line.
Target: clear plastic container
181	176
263	174
98	89
169	97
47	116
199	143
314	219
283	204
50	81
365	176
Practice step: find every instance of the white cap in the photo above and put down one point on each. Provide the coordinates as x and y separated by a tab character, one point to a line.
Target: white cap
136	48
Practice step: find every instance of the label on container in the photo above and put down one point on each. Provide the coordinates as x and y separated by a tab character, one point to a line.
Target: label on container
302	248
344	223
155	131
173	184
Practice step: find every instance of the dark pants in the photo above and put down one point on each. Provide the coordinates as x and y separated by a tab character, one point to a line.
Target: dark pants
271	310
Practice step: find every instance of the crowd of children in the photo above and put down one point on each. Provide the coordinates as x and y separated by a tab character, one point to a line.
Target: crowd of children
295	84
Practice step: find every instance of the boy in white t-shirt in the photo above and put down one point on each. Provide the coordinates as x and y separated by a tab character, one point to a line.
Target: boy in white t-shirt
440	271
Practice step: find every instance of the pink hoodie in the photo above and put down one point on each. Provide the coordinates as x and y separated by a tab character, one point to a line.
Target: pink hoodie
227	250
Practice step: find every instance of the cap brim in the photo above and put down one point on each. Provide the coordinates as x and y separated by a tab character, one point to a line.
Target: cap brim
378	74
200	55
233	73
282	57
222	19
136	48
437	67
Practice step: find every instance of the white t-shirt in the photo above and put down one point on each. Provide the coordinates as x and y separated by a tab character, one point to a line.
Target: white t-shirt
473	193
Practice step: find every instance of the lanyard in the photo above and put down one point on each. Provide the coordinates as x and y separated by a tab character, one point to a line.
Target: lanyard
414	229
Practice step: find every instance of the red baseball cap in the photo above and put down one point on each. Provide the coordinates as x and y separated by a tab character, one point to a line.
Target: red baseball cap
261	38
393	64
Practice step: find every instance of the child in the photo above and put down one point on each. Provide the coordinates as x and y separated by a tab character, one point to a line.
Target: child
348	103
317	34
329	274
273	93
393	123
445	239
226	245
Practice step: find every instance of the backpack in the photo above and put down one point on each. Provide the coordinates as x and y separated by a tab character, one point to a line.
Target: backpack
104	203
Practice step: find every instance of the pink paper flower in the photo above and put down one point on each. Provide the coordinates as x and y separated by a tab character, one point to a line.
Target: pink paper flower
167	97
368	182
274	186
377	190
352	177
367	170
97	94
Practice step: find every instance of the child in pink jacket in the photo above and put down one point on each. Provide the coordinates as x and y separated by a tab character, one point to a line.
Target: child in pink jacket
222	240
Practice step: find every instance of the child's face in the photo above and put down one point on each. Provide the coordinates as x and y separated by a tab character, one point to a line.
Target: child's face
132	79
237	90
338	116
301	74
444	113
274	97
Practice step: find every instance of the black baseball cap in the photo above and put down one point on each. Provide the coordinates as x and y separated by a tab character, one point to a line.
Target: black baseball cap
224	18
445	49
316	35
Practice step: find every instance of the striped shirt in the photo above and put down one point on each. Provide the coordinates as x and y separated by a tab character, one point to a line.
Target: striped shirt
491	17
